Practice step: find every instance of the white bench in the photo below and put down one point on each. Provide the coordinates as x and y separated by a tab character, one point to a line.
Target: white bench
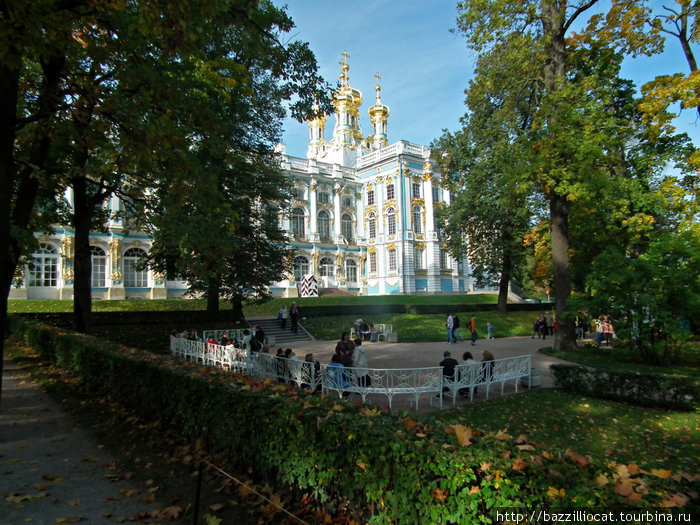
470	376
387	382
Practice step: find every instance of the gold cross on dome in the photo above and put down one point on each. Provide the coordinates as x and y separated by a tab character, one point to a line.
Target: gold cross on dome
345	58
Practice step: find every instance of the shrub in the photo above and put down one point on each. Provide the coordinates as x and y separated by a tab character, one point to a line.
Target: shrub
386	468
653	390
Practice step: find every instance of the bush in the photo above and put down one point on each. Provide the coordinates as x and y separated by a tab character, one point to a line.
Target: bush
386	468
652	390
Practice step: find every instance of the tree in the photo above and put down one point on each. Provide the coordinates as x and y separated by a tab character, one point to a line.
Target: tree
562	160
490	211
58	71
215	223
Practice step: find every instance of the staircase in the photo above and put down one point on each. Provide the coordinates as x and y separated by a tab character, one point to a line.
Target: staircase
283	338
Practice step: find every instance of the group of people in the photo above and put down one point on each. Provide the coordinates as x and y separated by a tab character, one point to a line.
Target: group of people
365	330
604	330
293	316
544	325
350	354
452	325
449	364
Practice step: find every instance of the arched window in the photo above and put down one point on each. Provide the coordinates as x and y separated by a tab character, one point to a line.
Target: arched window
99	267
417	220
346	226
389	192
418	258
372	220
135	275
43	268
298	222
324	224
327	267
392	260
351	271
391	221
301	267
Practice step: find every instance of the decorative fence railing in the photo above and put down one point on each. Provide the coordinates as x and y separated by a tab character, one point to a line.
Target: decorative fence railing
365	382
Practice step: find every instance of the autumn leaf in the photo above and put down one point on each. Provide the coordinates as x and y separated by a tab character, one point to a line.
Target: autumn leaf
602	480
409	423
474	490
661	473
216	507
485	466
464	435
172	513
675	500
554	493
633	469
522	439
633	498
75	519
502	435
518	464
623	487
578	458
440	494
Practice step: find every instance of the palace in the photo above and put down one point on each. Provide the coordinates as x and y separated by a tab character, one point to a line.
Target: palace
361	220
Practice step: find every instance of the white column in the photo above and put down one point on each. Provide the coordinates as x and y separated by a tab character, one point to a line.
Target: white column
336	212
313	212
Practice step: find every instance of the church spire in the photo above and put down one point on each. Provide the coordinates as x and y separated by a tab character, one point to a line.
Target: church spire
378	114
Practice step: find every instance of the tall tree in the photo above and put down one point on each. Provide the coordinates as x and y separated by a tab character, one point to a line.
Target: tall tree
561	154
214	223
491	210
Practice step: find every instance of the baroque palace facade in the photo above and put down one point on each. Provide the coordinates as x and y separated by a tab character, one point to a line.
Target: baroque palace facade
361	220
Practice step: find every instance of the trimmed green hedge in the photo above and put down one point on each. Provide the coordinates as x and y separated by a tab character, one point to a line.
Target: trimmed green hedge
386	468
652	390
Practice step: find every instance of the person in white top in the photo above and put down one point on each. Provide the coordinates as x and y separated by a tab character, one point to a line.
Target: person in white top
359	363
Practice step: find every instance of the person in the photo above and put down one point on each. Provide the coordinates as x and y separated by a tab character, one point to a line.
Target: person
487	364
344	349
259	334
448	365
337	375
489	330
211	343
224	339
374	333
550	323
607	327
357	327
449	325
455	328
543	326
282	317
359	363
536	328
365	331
472	328
315	370
289	354
599	331
467	359
294	318
580	327
247	336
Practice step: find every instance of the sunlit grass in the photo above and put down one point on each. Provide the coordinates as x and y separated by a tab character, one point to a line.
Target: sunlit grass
604	429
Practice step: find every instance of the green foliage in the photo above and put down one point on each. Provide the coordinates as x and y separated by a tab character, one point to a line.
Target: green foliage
384	467
655	390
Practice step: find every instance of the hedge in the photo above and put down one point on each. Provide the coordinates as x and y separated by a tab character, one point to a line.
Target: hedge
386	468
651	390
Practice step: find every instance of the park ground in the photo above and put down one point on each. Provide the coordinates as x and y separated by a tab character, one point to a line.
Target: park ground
68	458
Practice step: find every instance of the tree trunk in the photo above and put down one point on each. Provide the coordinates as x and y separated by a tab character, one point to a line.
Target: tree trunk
213	295
504	283
237	310
20	189
82	269
565	337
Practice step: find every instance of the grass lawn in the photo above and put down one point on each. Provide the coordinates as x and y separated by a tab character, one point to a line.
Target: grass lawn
603	429
623	359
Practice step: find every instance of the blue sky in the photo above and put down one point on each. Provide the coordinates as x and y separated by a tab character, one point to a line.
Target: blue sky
424	68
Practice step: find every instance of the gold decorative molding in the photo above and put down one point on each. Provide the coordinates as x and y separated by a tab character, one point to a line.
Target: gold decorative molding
444	246
337	191
370	209
389	179
68	274
298	204
421	272
313	186
370	186
427	177
388	204
68	247
391	247
420	246
116	275
418	202
372	249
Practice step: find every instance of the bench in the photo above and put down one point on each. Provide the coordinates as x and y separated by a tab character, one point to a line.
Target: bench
388	382
381	332
470	376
